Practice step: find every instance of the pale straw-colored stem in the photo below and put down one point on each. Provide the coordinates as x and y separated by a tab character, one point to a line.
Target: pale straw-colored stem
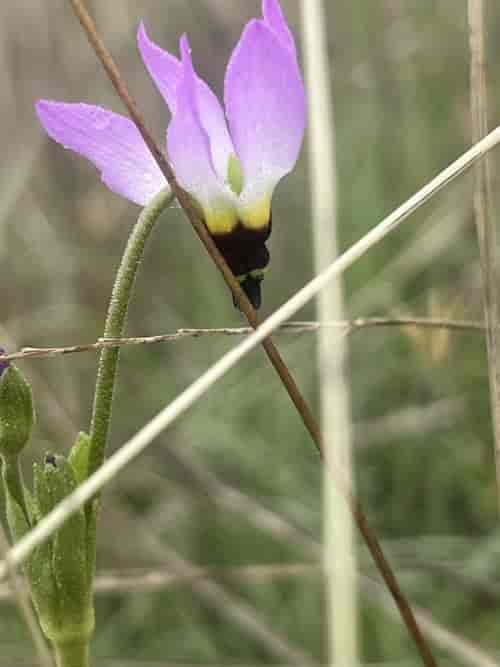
484	216
184	401
339	553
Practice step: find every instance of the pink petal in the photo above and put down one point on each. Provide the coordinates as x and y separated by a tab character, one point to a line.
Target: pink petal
275	20
190	152
110	141
266	108
166	71
164	68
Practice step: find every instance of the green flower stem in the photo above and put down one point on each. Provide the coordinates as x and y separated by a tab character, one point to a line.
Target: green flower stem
115	325
72	654
13	481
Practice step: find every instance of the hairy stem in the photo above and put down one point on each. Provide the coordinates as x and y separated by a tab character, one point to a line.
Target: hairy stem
115	325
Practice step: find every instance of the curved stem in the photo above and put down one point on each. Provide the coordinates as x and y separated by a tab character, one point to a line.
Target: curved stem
13	483
115	325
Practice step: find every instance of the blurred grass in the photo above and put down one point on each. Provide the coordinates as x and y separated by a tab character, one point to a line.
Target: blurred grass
401	95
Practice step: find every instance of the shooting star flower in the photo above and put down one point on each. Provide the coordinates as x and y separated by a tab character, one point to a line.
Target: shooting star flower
230	163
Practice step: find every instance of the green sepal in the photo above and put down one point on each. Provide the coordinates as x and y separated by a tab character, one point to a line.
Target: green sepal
16	412
79	457
43	589
40	573
21	512
31	507
15	498
69	558
16	516
63	563
42	492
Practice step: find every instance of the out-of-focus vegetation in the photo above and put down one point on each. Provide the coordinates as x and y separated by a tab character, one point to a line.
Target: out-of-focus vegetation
424	452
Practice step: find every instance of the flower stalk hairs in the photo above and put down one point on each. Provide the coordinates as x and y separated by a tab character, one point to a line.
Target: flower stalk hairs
228	161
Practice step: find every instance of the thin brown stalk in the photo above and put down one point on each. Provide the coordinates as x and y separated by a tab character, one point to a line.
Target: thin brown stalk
484	215
291	328
271	350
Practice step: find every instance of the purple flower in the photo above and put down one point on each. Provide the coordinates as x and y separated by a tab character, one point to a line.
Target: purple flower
230	163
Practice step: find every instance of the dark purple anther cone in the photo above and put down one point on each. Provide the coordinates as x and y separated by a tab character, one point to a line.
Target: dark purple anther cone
3	364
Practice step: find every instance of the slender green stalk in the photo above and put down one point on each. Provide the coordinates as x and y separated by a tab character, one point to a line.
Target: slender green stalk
115	325
72	654
13	480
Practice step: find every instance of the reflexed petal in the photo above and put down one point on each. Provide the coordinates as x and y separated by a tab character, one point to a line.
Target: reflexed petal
164	68
275	20
191	157
266	109
110	141
166	71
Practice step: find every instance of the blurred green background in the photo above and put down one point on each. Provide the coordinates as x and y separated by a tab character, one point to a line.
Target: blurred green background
236	485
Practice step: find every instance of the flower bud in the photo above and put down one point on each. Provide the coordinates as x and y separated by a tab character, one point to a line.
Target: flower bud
63	594
16	410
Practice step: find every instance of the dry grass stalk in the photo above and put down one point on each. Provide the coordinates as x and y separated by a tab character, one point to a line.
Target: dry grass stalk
339	552
484	217
291	328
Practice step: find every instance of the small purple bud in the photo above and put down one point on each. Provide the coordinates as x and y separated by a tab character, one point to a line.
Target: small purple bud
3	364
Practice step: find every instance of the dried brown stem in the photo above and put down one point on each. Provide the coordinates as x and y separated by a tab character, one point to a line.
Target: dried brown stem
294	328
271	350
